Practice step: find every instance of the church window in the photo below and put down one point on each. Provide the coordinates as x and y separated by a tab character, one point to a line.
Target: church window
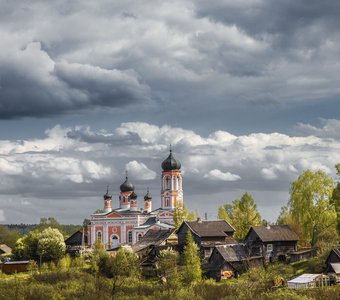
168	183
139	236
99	237
167	201
130	237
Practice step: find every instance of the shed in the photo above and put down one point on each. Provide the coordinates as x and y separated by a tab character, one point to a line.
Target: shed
14	266
231	260
306	281
302	254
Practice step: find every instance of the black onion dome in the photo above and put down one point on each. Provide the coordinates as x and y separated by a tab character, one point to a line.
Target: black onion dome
127	186
133	196
107	195
147	196
171	163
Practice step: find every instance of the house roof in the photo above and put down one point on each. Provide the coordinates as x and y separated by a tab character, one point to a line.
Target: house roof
232	253
336	251
304	278
336	267
5	249
274	233
213	228
152	237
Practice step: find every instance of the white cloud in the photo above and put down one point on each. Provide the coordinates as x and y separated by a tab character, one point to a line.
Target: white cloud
140	171
330	129
57	166
223	176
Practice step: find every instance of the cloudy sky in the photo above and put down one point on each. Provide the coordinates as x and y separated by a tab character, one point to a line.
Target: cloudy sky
246	91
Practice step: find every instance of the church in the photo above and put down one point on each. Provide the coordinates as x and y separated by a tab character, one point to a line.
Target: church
128	223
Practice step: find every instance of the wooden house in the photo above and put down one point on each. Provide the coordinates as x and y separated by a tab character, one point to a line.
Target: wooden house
206	234
76	239
150	245
273	242
333	263
228	261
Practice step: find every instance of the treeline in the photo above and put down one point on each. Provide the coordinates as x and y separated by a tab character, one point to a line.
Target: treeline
313	210
101	276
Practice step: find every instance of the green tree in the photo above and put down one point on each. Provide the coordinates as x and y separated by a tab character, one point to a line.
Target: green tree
311	207
192	264
241	214
51	245
8	237
181	214
26	247
336	198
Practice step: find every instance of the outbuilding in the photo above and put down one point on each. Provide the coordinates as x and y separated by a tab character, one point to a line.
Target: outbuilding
307	281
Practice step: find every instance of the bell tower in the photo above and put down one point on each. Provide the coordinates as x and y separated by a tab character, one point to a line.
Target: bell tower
171	183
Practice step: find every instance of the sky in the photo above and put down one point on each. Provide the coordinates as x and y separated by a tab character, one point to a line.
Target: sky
246	92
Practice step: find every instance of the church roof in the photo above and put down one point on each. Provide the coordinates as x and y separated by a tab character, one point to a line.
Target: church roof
170	163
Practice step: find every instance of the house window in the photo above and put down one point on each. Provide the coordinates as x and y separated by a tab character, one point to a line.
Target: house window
139	236
130	237
269	247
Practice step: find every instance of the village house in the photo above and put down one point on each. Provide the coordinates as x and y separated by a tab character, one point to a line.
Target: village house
150	245
273	242
333	264
228	261
206	234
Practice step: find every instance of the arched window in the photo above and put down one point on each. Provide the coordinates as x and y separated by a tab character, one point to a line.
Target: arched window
167	201
168	183
114	241
139	236
130	237
99	237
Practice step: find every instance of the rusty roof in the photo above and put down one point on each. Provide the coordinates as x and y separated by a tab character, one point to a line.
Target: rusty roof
213	228
152	237
274	233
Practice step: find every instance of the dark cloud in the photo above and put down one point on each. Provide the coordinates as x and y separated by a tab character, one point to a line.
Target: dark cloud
32	84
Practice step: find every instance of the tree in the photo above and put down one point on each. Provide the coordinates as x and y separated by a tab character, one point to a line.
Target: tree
192	263
311	207
26	247
336	198
51	245
181	214
242	214
8	237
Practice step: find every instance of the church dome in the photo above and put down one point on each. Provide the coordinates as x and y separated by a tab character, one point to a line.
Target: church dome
127	186
170	163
